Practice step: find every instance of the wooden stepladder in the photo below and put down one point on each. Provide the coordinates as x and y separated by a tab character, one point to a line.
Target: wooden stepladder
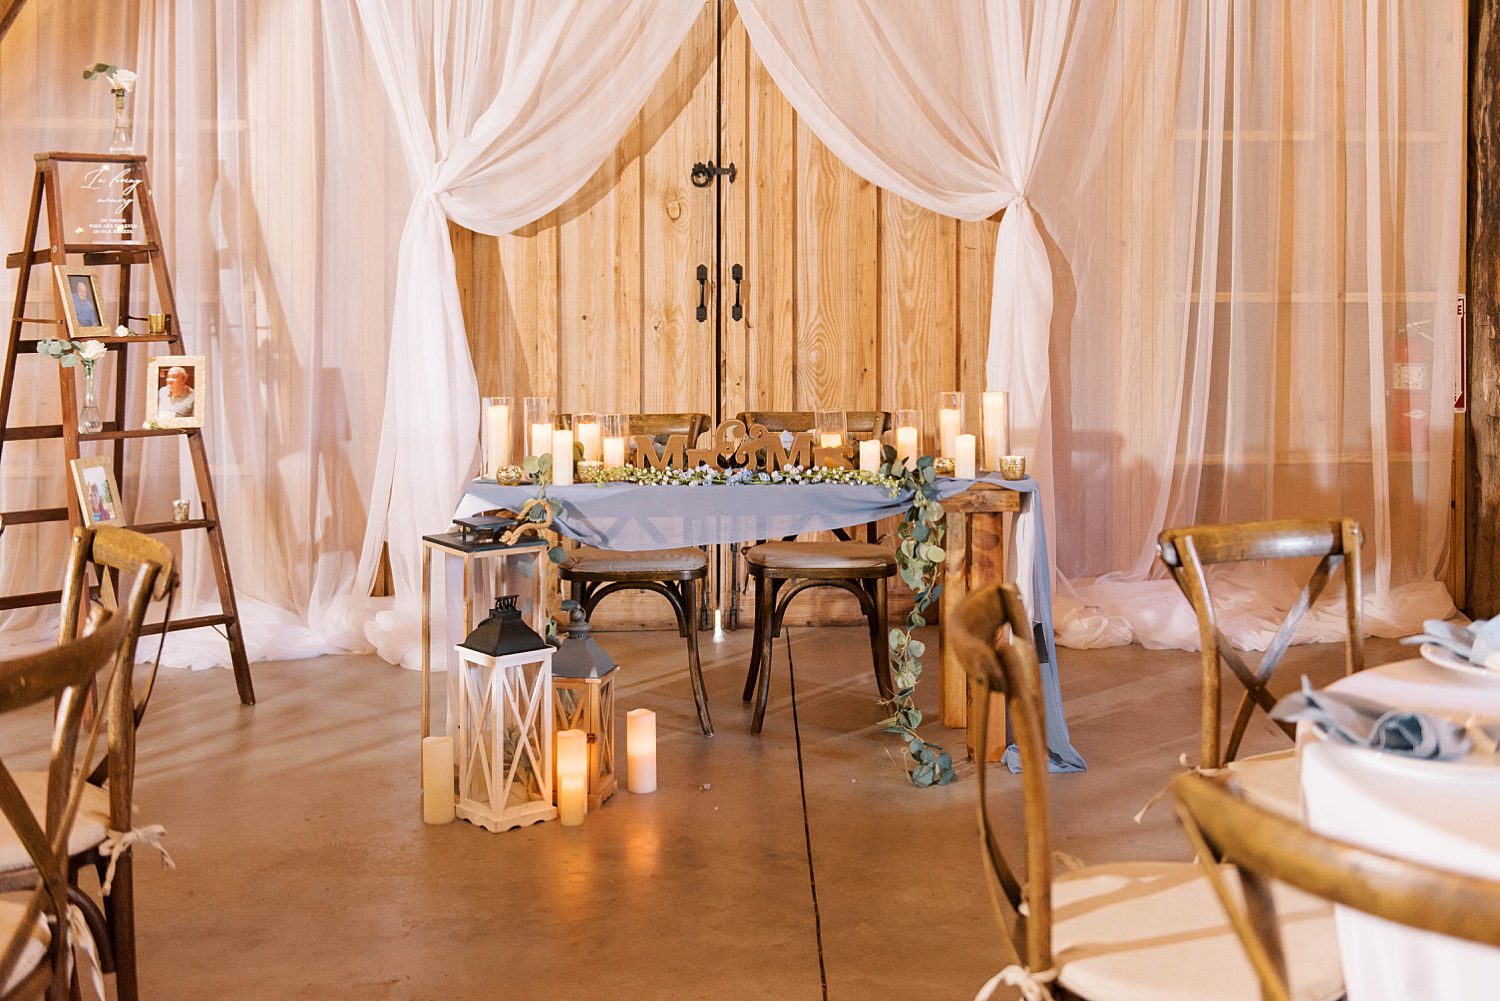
136	187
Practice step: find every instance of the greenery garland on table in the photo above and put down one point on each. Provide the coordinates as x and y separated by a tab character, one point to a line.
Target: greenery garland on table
919	559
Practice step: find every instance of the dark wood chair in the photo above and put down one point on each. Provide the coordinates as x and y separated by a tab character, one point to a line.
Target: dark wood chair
108	798
1269	779
784	569
1131	929
36	937
1262	848
678	575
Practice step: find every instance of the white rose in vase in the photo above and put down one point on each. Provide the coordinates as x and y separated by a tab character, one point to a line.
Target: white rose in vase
91	351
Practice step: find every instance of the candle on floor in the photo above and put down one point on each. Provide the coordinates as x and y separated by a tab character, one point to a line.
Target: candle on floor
496	433
437	780
906	445
589	437
869	456
562	457
539	441
996	428
572	748
640	750
963	458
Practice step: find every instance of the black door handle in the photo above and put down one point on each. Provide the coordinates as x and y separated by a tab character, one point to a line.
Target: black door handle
702	293
736	312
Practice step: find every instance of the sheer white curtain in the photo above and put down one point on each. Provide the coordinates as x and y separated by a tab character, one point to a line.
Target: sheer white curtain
1259	232
279	186
505	108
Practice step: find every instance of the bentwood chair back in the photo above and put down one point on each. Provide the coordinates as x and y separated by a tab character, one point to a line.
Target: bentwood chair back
1266	847
1129	929
116	555
35	936
861	568
592	574
1188	552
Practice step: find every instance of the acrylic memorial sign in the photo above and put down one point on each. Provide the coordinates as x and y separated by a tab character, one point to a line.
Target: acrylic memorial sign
107	202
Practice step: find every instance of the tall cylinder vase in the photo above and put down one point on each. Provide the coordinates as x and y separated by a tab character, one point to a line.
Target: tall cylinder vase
121	141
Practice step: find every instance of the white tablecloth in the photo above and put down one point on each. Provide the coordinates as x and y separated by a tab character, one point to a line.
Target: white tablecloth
1445	814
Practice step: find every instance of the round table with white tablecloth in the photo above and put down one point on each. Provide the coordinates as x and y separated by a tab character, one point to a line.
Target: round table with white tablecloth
1441	813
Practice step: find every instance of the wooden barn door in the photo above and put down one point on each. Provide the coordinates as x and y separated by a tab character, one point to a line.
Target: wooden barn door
849	296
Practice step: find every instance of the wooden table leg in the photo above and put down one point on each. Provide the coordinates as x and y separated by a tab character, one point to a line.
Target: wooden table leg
953	681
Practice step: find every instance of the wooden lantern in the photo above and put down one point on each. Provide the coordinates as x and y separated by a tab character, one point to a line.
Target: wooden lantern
504	743
583	687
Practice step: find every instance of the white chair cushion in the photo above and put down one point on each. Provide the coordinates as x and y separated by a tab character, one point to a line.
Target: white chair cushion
89	827
12	909
1155	931
1271	781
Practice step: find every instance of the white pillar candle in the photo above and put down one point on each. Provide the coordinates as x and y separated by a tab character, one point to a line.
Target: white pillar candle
640	750
539	441
589	436
831	439
948	428
572	749
496	437
963	458
614	452
996	408
869	456
437	780
562	457
906	446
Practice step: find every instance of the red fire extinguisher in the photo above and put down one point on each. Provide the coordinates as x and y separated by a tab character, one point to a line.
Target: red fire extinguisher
1411	387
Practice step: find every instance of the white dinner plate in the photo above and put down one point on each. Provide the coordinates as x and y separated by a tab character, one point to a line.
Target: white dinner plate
1434	654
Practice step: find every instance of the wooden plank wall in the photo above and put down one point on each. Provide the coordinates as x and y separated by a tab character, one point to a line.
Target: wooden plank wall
1483	258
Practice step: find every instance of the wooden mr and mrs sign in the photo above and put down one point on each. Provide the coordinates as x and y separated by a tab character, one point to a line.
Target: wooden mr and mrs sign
733	446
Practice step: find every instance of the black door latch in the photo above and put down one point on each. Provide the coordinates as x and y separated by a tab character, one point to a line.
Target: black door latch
704	173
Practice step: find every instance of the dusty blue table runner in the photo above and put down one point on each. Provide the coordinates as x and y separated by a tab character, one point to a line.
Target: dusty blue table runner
632	516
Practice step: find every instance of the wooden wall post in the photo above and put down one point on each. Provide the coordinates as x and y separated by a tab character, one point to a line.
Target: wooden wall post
1483	280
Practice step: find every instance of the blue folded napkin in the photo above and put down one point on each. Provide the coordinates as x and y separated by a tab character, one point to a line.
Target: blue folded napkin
1478	642
1359	722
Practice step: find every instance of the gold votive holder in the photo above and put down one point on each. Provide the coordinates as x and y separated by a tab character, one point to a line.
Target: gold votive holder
589	471
157	323
1013	467
510	476
943	465
181	511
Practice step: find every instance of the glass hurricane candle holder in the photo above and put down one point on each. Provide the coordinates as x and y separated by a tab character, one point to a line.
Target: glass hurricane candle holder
588	433
907	436
540	416
494	431
615	429
996	416
831	428
950	422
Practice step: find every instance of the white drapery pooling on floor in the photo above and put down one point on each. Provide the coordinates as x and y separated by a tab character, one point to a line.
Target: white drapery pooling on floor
1223	191
504	108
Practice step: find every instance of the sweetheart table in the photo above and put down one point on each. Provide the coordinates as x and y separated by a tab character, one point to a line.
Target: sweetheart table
629	516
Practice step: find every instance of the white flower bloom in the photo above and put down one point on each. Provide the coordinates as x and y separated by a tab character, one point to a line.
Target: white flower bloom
122	331
122	79
92	351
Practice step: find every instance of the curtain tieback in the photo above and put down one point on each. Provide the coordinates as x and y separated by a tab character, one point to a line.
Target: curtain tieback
1182	759
1033	986
117	843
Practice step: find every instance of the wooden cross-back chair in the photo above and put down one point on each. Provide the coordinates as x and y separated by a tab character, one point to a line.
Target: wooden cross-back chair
1137	929
861	568
1267	848
114	554
1188	552
36	941
593	574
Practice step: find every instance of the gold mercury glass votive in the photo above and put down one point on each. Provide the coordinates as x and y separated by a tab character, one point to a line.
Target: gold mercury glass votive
590	470
1013	467
156	323
510	476
943	465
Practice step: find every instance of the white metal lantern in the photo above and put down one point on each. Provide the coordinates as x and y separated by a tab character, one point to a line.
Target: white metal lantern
504	742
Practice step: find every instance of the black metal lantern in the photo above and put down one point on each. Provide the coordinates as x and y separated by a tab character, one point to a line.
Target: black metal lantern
504	632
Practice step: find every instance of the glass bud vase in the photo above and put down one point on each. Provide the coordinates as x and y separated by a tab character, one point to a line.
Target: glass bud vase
120	140
89	421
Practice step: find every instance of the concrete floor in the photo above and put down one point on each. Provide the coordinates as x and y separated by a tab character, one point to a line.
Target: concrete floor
304	871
